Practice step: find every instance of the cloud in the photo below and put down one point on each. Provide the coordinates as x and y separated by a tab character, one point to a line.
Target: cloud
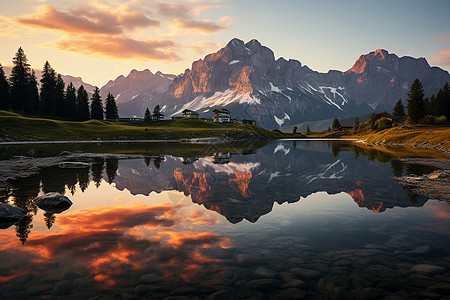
7	27
183	17
119	47
204	47
441	57
90	19
202	26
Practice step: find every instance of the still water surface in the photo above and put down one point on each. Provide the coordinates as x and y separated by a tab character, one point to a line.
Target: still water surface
290	220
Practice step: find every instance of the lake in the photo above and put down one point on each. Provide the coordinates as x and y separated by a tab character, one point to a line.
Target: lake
286	220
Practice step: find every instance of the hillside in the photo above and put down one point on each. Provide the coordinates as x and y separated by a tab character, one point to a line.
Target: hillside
15	127
248	80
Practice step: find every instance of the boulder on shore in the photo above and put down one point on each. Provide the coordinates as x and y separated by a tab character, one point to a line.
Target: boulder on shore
10	215
53	202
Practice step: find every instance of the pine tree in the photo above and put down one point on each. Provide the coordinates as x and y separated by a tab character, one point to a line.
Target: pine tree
71	103
48	90
308	131
96	105
156	112
336	125
31	104
294	129
399	109
147	116
356	125
19	78
61	106
111	112
82	104
443	102
4	90
416	103
431	106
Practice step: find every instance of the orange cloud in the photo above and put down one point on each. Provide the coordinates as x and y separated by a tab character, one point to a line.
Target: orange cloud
441	57
203	26
183	17
87	20
204	46
119	47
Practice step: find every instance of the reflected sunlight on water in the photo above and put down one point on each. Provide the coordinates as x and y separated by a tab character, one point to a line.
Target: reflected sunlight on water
302	221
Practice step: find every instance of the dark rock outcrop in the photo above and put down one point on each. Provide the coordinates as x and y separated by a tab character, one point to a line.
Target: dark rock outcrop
53	202
10	215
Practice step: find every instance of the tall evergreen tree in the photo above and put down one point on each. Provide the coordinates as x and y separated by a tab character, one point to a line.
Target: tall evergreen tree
308	130
431	106
19	79
443	102
61	106
96	105
356	125
4	90
156	112
31	104
147	115
416	103
48	90
399	109
71	103
111	112
336	125
82	104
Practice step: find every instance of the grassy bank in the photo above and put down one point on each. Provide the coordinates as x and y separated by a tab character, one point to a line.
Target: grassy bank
410	136
418	140
15	127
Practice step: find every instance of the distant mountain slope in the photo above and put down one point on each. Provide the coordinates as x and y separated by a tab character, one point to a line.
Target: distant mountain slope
76	81
381	78
246	79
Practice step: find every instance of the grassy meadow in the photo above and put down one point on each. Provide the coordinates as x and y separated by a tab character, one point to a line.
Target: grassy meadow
16	127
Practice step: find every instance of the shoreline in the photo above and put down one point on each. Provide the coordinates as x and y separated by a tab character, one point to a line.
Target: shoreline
212	140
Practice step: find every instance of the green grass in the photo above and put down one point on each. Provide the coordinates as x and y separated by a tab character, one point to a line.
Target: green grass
26	128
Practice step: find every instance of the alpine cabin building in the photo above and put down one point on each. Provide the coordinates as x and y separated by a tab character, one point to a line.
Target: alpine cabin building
222	116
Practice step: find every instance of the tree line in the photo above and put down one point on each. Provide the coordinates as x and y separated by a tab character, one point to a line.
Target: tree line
20	93
419	110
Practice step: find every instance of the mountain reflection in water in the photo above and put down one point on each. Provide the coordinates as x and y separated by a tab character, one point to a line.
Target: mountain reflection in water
135	227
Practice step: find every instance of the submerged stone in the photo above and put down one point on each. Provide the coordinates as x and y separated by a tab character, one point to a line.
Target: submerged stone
428	269
73	165
53	202
10	215
305	273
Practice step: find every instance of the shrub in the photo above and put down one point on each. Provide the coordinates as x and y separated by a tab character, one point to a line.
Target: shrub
442	120
428	120
383	123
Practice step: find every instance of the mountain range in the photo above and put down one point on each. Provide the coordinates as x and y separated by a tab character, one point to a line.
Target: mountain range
246	79
76	81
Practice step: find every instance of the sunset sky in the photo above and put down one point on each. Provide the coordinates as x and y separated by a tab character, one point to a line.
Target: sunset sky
100	40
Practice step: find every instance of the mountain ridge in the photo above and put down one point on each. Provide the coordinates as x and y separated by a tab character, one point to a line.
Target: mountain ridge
247	79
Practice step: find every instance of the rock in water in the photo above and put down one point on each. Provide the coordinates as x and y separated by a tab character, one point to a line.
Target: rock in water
53	202
10	215
73	165
428	269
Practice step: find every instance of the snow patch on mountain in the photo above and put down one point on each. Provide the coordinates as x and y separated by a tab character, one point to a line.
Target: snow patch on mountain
219	99
274	88
234	62
282	120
